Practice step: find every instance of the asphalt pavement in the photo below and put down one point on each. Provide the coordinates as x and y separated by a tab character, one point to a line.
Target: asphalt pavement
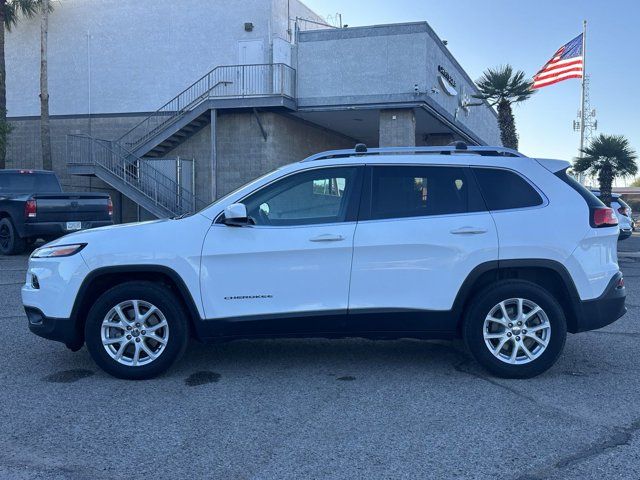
306	409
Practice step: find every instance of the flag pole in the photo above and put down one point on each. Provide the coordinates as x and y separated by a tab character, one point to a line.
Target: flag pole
583	115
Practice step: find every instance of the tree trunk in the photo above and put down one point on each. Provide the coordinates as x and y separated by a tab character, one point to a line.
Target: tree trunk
507	124
45	133
605	180
3	91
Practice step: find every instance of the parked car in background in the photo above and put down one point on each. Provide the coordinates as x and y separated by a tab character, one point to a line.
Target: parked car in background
505	251
33	206
624	214
625	209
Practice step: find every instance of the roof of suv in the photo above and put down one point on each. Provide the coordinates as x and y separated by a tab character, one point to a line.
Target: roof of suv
457	148
613	195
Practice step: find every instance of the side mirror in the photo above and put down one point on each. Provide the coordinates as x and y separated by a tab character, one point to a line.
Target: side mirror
235	215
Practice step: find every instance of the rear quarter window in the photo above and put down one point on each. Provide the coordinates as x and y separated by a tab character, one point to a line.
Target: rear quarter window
505	190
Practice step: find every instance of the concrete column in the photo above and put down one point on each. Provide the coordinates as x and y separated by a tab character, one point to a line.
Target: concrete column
397	128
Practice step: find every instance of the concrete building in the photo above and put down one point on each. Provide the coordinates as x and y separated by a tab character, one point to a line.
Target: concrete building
167	105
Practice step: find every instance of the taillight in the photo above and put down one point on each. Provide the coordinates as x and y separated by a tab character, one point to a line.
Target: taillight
30	209
624	211
603	217
110	207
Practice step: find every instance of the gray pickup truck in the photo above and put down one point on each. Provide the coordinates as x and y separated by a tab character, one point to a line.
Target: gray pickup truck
33	206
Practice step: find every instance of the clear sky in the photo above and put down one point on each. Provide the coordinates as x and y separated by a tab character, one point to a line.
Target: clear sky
525	34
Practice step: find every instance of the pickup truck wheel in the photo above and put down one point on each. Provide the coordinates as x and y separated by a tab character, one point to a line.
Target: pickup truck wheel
136	330
515	329
10	241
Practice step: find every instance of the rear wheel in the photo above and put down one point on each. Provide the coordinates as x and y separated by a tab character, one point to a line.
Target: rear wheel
10	241
136	330
515	329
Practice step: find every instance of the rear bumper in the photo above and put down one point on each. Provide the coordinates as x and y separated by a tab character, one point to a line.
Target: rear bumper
59	329
604	310
57	229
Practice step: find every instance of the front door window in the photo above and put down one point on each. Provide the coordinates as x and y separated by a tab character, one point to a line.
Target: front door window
309	198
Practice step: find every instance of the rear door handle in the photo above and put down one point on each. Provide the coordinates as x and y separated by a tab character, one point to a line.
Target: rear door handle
327	237
468	231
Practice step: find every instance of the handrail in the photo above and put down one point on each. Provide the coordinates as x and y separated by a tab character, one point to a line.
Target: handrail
147	180
224	81
448	150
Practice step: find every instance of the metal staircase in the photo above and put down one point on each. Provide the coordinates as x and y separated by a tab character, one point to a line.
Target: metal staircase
133	176
187	112
121	163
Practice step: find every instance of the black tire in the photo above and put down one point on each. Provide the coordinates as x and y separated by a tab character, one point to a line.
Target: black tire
10	241
481	306
156	294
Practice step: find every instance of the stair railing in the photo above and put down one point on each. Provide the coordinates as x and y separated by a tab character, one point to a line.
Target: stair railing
225	81
155	187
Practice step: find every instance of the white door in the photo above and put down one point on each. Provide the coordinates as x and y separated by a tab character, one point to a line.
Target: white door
288	273
422	231
252	73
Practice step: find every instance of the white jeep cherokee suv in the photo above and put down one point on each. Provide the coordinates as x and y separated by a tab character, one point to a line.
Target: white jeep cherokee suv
483	243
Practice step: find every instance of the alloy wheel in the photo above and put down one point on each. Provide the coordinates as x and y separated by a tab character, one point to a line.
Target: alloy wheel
134	333
516	331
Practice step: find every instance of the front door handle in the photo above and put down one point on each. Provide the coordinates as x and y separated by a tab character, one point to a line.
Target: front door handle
469	231
327	237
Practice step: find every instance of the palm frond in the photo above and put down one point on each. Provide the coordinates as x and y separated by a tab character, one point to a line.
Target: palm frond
612	152
502	84
14	9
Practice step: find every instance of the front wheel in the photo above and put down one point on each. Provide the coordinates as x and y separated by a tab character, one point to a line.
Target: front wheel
515	329
136	330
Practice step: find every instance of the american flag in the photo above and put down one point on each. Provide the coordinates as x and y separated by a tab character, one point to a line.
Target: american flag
566	63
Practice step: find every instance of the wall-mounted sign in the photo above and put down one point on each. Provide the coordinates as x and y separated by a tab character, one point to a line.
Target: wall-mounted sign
447	82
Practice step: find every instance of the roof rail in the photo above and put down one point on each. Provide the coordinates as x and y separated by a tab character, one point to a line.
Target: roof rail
448	150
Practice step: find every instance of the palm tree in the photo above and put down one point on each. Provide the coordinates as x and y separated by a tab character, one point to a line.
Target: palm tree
502	87
607	156
45	130
10	11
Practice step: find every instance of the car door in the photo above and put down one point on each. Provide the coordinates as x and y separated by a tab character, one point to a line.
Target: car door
289	271
422	230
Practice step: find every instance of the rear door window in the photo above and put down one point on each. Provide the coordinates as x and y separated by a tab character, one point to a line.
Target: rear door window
505	190
417	191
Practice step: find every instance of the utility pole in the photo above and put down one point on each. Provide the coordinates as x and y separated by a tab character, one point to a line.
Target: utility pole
586	122
584	84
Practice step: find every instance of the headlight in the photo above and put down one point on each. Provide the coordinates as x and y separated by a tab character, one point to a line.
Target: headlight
58	251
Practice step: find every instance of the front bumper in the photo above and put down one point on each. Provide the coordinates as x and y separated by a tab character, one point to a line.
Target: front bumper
57	229
59	329
604	310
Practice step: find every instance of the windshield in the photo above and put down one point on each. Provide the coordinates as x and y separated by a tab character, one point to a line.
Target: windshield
623	203
17	182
